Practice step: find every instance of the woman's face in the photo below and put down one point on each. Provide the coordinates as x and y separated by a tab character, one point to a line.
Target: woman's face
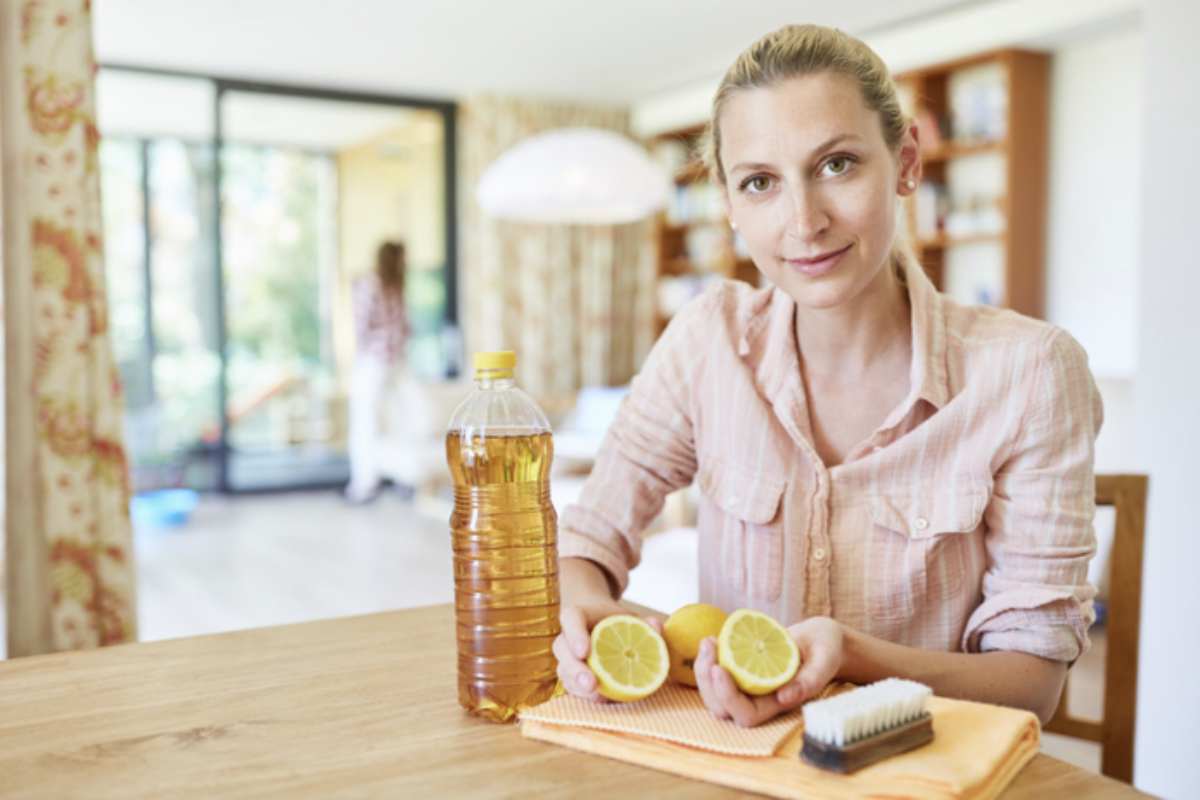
811	185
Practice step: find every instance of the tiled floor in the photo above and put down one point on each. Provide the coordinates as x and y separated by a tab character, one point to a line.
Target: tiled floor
266	560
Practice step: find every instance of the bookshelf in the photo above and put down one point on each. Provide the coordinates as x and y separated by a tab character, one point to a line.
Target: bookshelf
695	243
978	220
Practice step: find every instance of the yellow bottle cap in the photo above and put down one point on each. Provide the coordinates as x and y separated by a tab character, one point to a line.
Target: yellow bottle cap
502	361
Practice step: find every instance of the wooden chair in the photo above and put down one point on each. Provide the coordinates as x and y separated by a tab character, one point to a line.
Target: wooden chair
1115	731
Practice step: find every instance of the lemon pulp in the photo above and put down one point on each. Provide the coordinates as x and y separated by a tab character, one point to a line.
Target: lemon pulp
757	651
628	658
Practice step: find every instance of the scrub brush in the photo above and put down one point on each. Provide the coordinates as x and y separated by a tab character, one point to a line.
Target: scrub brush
851	730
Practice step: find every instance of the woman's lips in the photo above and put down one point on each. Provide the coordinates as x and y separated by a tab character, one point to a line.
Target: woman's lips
815	267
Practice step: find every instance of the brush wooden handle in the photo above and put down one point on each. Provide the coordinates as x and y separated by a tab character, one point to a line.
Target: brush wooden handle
857	755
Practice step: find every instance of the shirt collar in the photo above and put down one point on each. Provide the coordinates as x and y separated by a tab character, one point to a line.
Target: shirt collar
768	340
928	375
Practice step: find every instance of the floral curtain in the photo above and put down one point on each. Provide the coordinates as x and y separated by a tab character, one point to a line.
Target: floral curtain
575	302
69	571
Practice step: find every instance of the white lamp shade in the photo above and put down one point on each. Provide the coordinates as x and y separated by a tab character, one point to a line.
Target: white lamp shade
581	176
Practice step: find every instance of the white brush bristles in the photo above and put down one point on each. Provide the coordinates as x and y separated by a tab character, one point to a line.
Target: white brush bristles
859	713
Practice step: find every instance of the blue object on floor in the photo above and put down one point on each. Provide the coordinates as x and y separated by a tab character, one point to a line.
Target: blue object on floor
164	508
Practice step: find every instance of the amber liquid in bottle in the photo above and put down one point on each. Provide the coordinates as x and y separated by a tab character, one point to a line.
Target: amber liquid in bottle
504	531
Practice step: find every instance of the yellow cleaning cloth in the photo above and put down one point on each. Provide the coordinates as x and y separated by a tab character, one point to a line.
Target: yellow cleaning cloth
976	751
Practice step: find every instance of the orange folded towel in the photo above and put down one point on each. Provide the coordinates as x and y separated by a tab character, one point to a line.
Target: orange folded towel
976	751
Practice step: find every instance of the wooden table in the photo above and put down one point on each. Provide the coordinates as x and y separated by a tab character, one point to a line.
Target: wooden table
362	707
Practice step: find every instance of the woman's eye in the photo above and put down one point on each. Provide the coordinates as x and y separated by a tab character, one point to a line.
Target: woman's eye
756	184
838	165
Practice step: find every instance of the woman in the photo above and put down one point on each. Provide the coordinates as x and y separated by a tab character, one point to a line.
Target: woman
905	481
381	328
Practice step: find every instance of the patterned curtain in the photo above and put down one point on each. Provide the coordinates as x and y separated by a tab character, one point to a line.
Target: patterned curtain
575	302
69	572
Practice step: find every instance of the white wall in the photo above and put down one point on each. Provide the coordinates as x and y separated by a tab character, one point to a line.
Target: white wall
1117	445
1094	220
1168	402
1094	183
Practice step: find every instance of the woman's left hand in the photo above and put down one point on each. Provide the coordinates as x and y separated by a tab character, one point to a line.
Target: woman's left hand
820	642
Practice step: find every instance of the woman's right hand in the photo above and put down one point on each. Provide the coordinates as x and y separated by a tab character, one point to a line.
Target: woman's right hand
574	643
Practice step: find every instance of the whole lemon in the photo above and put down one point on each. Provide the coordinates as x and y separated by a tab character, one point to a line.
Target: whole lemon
683	631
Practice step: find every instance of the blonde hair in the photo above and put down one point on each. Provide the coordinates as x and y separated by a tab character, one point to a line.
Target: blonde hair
796	50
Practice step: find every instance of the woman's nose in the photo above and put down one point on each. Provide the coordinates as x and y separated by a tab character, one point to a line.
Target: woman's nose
809	218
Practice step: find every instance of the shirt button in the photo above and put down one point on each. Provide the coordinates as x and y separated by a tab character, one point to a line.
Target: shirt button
922	523
819	554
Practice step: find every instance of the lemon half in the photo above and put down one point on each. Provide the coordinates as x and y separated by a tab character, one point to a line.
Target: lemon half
757	651
683	632
628	658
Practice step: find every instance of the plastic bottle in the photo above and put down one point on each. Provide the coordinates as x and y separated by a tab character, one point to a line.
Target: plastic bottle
499	448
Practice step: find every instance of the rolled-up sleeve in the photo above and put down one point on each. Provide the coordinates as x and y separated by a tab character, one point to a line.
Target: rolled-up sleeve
648	452
1040	535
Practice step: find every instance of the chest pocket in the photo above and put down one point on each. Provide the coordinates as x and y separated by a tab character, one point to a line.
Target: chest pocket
920	550
748	526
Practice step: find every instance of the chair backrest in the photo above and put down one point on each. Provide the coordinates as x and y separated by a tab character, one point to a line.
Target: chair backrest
1115	731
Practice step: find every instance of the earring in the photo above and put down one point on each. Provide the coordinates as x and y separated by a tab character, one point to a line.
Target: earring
733	225
910	184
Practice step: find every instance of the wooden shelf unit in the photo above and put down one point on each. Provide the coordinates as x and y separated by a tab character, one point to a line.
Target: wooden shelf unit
673	258
694	172
1024	149
952	150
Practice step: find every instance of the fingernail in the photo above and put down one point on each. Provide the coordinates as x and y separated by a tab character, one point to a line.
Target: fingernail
584	681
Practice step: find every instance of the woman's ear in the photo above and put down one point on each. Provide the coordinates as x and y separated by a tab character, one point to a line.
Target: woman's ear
909	157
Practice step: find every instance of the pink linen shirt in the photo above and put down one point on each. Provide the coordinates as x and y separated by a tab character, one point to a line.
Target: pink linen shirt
964	523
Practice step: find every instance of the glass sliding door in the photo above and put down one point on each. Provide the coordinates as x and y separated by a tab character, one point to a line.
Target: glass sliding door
157	187
237	217
186	333
276	251
122	176
280	247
